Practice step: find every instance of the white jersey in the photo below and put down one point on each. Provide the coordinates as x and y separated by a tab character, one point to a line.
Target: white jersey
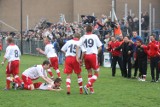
35	72
44	86
12	53
50	51
91	43
70	48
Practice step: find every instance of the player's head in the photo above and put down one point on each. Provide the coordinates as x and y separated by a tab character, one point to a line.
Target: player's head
9	40
139	42
46	64
46	40
57	83
77	35
89	29
152	37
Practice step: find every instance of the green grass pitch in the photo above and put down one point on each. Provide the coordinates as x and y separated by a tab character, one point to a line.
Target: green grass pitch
109	91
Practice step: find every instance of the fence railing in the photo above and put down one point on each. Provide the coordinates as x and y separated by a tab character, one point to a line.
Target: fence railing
29	46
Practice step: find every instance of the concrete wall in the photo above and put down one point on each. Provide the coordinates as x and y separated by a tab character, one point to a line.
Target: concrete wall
51	9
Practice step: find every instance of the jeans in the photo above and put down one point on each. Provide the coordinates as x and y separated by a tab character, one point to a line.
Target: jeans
60	58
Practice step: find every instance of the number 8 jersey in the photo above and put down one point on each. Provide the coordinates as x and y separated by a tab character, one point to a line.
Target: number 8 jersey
91	43
12	53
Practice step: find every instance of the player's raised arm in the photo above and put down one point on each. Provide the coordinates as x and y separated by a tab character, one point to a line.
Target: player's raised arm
40	51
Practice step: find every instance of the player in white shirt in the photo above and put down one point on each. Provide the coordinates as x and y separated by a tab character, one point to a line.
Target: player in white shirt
93	46
45	86
35	72
12	54
71	64
50	53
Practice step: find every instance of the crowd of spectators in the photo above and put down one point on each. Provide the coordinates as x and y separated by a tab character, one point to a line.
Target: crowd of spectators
104	27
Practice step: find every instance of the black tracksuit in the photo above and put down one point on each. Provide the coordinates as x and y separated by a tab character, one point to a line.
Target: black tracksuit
141	55
126	47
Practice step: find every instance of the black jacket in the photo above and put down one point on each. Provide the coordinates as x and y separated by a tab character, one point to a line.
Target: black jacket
126	47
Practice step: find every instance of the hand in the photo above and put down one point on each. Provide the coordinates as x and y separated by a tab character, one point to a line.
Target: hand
38	49
129	52
77	59
80	62
2	63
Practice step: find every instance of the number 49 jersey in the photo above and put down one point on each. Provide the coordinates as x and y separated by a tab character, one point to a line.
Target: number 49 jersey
70	48
12	53
91	43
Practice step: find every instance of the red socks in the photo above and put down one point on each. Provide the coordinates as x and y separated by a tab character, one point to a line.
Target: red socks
50	73
68	84
92	80
58	73
80	82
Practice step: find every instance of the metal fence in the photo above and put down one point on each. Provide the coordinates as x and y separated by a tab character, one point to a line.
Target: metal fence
29	46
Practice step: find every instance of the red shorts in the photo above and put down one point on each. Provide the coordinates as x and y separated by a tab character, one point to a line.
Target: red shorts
72	64
13	67
26	80
37	85
91	61
54	62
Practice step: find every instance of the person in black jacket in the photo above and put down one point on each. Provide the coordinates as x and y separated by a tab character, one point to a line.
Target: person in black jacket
141	55
127	53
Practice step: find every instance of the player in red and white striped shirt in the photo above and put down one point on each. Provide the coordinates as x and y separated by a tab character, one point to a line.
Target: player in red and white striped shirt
93	46
71	63
51	55
13	56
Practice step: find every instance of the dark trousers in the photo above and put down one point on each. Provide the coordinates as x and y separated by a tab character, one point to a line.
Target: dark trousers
142	65
135	68
116	59
154	65
100	58
127	61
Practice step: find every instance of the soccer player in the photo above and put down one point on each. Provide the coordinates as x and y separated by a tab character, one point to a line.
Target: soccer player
33	73
51	55
154	55
93	46
45	86
69	49
141	55
12	54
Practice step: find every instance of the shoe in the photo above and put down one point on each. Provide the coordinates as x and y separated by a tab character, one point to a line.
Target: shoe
13	85
157	81
85	90
92	92
6	89
153	81
81	92
22	87
16	86
68	93
143	80
134	77
139	79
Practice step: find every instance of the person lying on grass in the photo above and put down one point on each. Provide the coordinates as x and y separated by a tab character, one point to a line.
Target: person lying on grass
45	86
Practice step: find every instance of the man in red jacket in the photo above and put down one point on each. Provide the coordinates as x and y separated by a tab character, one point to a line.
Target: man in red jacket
153	52
116	55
